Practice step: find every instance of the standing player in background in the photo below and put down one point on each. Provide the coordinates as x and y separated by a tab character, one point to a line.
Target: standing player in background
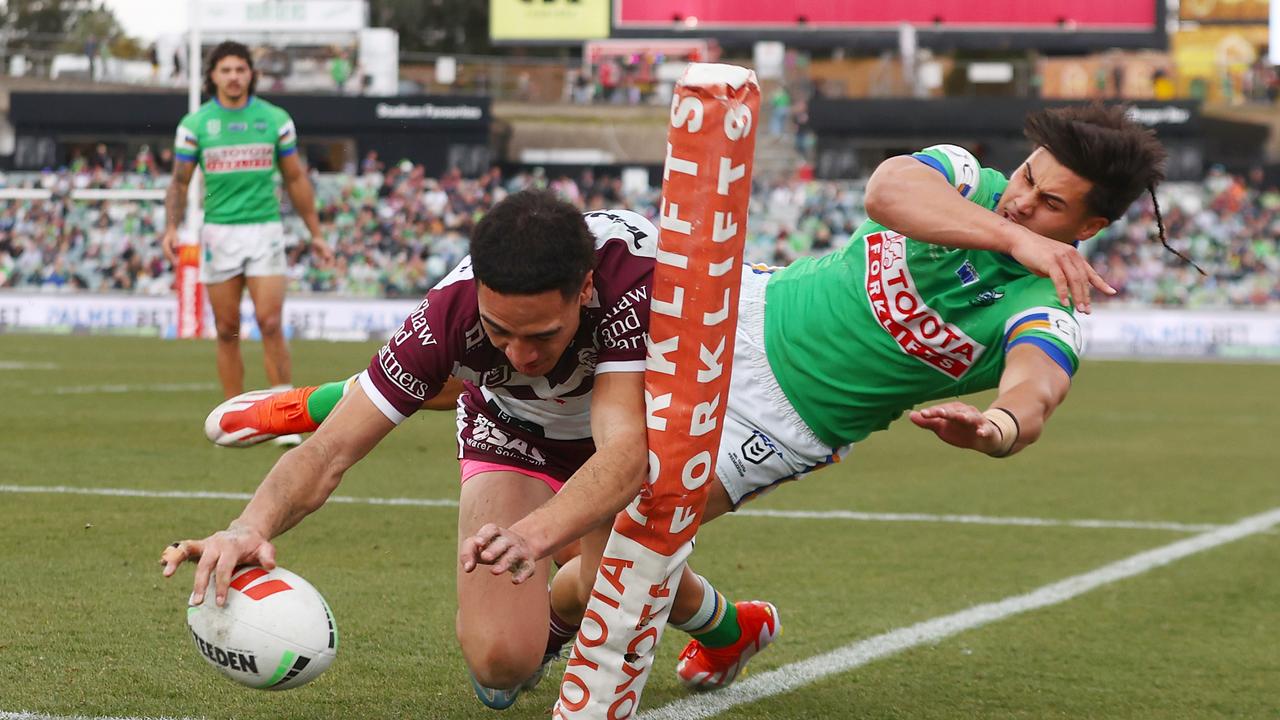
240	140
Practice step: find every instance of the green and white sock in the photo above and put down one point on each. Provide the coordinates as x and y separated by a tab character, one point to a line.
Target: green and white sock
715	624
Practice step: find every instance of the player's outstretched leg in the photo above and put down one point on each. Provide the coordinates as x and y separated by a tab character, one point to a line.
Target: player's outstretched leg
260	415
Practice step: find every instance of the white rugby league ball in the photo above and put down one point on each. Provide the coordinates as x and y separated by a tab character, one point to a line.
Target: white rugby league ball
275	631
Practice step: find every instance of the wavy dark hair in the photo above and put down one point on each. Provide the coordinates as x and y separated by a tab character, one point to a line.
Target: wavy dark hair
225	49
1121	158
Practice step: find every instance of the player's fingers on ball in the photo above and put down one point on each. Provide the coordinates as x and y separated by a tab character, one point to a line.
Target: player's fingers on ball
200	583
267	556
222	577
171	557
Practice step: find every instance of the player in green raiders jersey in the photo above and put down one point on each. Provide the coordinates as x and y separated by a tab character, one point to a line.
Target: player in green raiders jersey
240	141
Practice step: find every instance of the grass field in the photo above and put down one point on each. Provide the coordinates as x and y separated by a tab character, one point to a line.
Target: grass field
89	627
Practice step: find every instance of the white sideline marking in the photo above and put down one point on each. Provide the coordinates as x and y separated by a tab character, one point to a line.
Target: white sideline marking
205	495
854	655
791	514
42	716
978	520
117	389
18	365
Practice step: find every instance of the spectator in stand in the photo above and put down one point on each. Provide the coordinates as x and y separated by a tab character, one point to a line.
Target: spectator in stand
340	70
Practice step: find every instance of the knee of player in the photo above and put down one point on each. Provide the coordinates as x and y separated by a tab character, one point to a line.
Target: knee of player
269	325
228	331
502	662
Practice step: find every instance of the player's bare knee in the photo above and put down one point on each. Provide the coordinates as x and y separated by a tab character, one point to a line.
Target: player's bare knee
499	663
269	326
228	331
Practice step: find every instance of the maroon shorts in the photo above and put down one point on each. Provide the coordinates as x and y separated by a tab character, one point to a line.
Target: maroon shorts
489	438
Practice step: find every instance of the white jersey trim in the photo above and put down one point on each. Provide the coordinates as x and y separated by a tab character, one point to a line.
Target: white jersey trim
380	402
620	366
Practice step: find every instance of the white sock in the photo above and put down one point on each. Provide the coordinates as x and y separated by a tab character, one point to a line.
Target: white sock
710	610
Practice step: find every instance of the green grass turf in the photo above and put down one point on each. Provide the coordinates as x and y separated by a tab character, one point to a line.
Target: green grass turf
88	626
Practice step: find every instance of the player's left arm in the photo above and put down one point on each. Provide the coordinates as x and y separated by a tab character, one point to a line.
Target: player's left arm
604	485
303	197
1032	386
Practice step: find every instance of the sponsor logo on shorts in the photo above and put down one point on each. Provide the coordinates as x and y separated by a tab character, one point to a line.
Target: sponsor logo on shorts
898	306
487	436
758	448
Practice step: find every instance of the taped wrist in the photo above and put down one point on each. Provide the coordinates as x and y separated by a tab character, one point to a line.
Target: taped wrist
1007	423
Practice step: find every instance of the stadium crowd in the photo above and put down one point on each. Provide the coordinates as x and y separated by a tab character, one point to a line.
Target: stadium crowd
395	231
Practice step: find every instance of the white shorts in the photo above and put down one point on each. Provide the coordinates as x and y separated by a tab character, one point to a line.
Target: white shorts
250	249
764	442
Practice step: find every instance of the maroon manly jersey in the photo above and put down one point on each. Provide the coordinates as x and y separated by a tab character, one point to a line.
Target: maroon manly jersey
443	337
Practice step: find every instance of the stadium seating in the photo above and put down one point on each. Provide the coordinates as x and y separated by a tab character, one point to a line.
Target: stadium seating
396	231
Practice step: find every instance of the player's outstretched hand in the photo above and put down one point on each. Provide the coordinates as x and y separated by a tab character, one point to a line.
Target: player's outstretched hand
956	423
501	548
1072	275
219	555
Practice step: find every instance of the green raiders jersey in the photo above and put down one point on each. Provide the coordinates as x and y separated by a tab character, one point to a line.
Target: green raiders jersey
857	337
238	151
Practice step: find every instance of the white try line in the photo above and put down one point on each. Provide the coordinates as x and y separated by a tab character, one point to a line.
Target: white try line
120	389
854	655
979	520
206	495
788	514
17	365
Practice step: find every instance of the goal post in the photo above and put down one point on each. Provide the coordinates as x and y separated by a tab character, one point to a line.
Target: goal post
693	316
